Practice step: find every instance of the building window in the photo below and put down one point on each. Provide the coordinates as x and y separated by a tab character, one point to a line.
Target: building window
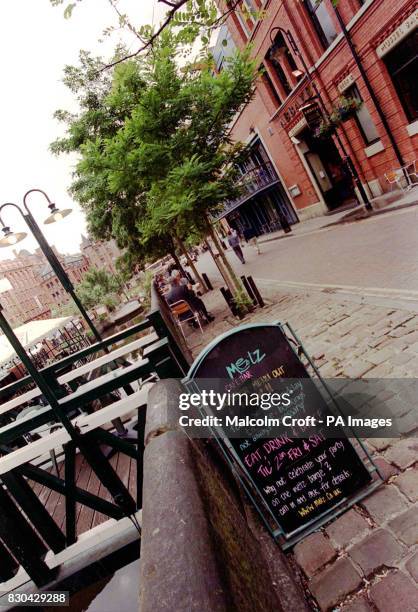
246	15
265	77
402	65
322	21
281	51
249	10
363	118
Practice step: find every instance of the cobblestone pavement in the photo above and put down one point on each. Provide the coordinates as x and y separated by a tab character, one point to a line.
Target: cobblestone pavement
366	559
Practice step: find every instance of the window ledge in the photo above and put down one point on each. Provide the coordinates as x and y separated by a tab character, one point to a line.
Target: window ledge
412	128
374	148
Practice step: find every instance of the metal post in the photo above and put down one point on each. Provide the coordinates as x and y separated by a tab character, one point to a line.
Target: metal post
249	290
59	270
229	300
256	291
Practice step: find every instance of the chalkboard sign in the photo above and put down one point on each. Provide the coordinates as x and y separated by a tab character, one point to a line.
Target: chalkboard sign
298	478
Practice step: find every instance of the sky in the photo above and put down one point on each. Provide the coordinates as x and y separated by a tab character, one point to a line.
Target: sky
36	42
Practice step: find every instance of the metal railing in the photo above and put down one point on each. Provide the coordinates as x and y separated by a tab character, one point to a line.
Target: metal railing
29	534
252	182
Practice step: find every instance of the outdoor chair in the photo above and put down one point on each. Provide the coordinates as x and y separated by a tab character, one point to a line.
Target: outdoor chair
395	177
182	314
412	174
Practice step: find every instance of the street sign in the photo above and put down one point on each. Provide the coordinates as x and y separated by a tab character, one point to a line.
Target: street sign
298	479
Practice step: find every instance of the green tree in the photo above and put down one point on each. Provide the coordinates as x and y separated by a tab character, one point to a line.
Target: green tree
156	156
98	287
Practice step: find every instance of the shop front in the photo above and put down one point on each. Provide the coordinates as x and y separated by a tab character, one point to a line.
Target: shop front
330	172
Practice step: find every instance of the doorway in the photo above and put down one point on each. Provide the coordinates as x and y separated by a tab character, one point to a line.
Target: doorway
331	173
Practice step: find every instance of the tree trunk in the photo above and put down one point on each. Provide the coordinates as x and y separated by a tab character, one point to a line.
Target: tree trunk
176	259
196	274
238	286
221	268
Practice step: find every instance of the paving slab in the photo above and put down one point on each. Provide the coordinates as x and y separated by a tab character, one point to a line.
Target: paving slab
377	550
395	592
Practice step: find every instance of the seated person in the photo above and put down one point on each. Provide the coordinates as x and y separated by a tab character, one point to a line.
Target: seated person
179	291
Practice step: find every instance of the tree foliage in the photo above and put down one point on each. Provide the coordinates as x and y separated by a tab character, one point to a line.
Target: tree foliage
153	139
98	287
188	20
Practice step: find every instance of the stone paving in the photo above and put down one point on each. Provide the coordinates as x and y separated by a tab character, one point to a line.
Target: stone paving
366	559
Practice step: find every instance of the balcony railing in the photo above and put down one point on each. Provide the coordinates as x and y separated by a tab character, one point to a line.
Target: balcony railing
252	182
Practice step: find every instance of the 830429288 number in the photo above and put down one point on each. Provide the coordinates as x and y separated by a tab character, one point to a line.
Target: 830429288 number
50	598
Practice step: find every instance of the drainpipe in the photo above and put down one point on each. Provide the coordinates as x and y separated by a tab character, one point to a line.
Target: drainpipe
369	88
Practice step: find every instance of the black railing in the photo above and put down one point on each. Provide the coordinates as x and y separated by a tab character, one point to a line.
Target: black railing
29	526
255	180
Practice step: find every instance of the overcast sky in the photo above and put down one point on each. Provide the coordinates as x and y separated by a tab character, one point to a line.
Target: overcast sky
36	42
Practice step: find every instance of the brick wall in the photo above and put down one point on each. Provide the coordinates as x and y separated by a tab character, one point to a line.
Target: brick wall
272	121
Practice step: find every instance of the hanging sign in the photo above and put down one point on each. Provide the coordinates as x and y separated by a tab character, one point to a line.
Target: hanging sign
299	479
313	114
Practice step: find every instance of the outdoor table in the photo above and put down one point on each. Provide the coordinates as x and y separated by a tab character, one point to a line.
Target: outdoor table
68	360
109	382
60	437
19	400
39	430
111	360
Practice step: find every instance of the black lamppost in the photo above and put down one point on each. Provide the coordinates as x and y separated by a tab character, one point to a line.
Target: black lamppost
10	238
351	167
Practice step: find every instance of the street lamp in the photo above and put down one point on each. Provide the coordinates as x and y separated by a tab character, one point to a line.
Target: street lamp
10	238
353	171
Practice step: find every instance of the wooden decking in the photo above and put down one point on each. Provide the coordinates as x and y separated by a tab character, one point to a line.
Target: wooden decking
86	479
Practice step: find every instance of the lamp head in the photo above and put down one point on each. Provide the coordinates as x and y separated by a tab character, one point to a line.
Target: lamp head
10	238
56	214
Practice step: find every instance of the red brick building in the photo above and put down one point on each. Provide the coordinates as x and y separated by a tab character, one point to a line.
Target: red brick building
291	171
36	291
54	293
25	301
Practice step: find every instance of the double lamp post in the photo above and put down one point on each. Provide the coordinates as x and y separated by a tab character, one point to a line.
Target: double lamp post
11	238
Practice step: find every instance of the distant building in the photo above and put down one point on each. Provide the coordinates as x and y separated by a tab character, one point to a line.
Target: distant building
101	255
36	289
54	293
25	301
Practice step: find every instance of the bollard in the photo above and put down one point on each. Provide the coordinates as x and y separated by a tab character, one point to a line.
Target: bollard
255	291
207	281
229	300
249	290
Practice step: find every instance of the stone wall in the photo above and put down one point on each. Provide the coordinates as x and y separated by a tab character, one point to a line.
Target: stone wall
202	548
